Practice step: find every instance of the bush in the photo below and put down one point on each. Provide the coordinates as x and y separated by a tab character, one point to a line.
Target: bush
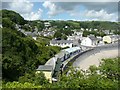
36	79
19	85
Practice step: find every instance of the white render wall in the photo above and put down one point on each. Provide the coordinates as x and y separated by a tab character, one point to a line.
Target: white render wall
86	42
63	45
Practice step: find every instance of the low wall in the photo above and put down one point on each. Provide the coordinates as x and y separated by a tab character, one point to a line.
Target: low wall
74	58
94	56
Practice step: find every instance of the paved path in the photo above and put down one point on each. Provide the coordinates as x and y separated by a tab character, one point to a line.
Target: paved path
94	57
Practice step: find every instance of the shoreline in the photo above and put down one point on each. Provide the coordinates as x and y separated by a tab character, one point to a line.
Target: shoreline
95	59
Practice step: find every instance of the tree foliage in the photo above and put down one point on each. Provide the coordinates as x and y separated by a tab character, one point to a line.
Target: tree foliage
96	33
17	85
62	34
106	76
33	77
13	16
21	54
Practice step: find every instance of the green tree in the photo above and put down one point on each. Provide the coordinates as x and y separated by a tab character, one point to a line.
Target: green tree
13	16
35	78
57	34
18	85
19	54
6	22
110	68
64	37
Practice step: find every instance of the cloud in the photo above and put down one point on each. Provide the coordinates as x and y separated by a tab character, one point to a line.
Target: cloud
33	15
24	8
101	15
21	6
93	10
109	6
103	10
53	8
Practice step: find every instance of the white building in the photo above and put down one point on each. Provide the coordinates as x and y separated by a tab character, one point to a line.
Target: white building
0	25
82	29
89	41
34	37
111	38
106	32
74	37
47	24
78	33
61	43
46	33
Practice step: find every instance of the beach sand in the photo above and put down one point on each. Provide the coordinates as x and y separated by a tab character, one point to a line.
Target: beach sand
95	59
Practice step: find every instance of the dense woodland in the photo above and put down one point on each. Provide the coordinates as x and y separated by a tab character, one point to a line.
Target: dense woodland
11	17
104	77
21	56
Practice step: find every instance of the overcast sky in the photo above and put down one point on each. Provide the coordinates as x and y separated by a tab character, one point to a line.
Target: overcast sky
105	10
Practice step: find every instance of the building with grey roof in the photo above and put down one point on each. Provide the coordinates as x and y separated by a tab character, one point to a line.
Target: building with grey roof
111	38
47	70
61	43
45	67
89	41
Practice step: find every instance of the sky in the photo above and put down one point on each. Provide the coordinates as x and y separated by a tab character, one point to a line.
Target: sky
80	10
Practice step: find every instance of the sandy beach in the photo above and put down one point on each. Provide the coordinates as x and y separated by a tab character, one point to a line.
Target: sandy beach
95	59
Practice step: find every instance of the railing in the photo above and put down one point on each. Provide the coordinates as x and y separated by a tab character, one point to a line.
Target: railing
74	58
92	51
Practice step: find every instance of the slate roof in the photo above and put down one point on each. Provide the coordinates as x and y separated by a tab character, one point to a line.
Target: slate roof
61	41
60	54
73	49
45	67
93	38
31	33
115	36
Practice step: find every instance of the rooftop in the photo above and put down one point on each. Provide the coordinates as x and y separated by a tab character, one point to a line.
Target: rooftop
60	54
61	41
92	38
69	50
45	67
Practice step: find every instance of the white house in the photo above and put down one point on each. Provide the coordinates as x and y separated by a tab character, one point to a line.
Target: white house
106	32
74	37
78	33
0	25
82	29
61	43
46	33
89	41
47	24
111	38
34	37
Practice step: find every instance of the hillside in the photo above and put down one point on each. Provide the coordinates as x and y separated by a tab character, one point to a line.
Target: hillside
105	25
20	53
10	18
21	56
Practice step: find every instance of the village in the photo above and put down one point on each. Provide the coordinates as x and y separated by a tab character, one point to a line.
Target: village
76	39
73	46
59	44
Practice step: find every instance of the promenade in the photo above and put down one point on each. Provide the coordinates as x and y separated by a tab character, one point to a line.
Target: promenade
94	56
